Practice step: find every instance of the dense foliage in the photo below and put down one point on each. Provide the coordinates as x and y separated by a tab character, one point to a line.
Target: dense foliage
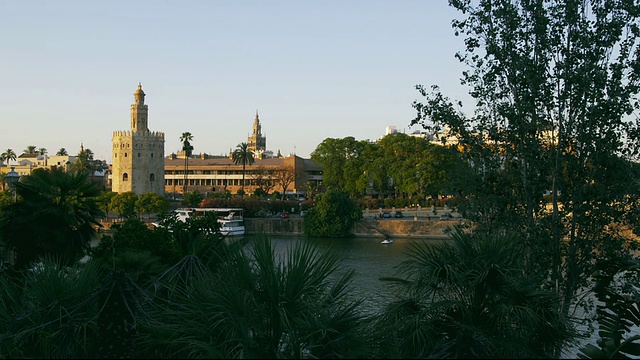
333	215
398	166
56	216
555	85
472	298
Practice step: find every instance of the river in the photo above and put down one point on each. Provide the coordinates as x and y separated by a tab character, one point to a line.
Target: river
372	260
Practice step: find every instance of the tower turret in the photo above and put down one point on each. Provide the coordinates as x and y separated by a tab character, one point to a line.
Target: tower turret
139	111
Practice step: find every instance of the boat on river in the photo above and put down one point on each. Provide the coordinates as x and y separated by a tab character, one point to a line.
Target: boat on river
231	220
387	241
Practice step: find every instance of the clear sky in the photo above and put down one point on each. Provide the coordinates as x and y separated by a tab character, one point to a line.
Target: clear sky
312	69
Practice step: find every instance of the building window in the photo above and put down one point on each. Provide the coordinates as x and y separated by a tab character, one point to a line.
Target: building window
138	154
125	177
152	177
151	154
125	154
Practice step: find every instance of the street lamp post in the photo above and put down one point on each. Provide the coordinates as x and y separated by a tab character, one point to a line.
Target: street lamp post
12	178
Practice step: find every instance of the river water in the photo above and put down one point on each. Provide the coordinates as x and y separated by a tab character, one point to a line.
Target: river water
370	260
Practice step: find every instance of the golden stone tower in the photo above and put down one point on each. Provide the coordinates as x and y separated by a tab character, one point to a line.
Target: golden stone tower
138	154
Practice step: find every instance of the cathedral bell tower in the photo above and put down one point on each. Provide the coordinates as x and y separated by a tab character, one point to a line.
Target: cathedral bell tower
257	142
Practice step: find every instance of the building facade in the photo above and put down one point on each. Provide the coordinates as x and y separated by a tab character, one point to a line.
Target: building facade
211	174
138	154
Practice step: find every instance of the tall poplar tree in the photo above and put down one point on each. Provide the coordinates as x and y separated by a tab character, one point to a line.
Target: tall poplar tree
556	87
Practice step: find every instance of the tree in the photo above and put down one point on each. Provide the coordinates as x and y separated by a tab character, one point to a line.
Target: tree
57	216
284	175
193	198
340	161
242	155
86	163
62	152
264	306
104	201
263	178
31	149
333	216
125	204
186	139
555	83
8	155
471	299
151	203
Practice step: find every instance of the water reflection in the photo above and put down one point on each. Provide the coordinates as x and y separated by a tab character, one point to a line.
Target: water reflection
370	259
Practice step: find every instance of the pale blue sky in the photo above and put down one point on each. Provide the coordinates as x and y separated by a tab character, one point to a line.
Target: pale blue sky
313	70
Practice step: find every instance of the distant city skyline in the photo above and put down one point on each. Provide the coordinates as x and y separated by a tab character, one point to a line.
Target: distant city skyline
311	70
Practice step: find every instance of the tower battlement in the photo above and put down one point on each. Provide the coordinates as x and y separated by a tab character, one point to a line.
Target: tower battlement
138	134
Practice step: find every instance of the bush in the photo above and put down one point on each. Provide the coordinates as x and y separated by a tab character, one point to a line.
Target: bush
333	216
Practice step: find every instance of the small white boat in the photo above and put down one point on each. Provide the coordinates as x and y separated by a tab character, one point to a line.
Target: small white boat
387	241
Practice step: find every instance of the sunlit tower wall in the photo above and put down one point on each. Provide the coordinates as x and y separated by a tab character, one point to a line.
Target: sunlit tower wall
138	154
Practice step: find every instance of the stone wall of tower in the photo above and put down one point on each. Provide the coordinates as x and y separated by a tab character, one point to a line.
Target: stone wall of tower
139	117
138	154
138	162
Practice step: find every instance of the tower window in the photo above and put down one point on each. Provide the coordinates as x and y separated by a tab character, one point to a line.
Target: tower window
152	177
151	154
125	177
138	154
125	154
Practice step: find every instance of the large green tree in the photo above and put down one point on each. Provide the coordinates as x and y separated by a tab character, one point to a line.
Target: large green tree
343	162
333	216
57	216
242	155
555	85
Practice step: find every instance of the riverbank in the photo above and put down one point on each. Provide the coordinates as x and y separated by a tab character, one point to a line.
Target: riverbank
367	227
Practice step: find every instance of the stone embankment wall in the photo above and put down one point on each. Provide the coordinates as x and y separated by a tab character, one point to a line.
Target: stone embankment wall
273	226
363	228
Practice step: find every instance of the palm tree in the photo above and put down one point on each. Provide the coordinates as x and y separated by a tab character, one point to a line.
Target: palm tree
62	152
186	139
31	149
262	306
242	155
58	216
472	298
8	155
